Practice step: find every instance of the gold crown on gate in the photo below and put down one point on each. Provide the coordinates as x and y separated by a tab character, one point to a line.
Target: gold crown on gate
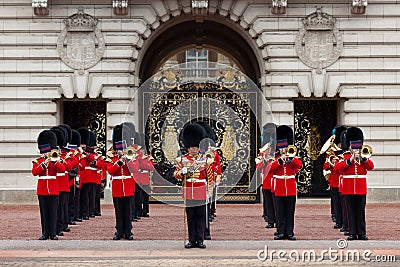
318	21
81	22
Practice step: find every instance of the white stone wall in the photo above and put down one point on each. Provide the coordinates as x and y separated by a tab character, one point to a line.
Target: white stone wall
33	78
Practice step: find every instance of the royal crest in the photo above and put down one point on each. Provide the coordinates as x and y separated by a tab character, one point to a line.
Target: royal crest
319	43
80	44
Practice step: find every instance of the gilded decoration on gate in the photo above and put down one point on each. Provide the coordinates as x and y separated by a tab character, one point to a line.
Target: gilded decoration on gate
313	146
319	43
81	44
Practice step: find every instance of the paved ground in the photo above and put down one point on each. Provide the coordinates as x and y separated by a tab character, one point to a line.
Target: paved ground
239	234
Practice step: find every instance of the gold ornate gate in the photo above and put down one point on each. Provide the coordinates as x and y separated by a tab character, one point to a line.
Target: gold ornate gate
228	104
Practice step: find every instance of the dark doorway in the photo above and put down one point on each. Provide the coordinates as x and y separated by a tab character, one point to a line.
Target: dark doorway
314	121
89	114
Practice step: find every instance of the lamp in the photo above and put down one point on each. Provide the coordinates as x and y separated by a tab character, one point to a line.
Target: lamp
359	6
120	7
40	7
279	7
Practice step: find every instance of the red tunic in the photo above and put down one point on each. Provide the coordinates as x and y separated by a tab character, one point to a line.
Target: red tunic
122	182
47	182
146	165
284	174
195	186
334	176
88	172
62	177
265	174
354	175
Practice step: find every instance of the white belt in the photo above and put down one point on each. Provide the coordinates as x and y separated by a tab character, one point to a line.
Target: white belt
120	177
284	176
144	171
194	180
46	177
355	176
60	174
91	168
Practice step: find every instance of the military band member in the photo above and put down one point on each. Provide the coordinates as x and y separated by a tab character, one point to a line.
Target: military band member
285	168
331	159
46	169
121	167
264	162
73	176
85	174
354	168
195	171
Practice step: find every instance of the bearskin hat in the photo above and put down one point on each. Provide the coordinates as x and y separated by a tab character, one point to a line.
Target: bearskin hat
75	138
92	139
120	134
209	130
64	133
192	134
269	134
60	137
69	131
354	134
130	127
285	132
337	131
47	137
85	136
137	139
343	141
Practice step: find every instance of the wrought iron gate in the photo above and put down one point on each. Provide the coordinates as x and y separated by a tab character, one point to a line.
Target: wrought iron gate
167	105
314	121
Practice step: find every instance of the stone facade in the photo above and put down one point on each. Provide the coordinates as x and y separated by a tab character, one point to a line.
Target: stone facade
33	78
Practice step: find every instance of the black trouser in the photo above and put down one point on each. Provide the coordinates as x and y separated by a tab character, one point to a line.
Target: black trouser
145	190
196	219
98	196
122	206
213	208
337	205
71	203
88	199
345	221
48	214
275	209
269	209
332	204
62	212
285	212
356	213
132	206
138	200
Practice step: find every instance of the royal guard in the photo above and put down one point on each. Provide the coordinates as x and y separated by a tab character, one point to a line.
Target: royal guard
143	178
136	206
263	164
121	164
354	168
345	221
46	168
73	176
195	171
284	169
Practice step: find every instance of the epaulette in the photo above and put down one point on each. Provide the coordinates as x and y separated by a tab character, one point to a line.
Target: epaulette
108	160
110	154
76	152
35	161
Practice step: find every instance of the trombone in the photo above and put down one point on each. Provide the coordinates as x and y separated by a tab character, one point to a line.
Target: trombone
130	153
54	155
291	151
366	151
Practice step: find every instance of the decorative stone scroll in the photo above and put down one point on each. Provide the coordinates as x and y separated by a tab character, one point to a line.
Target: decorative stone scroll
80	44
319	43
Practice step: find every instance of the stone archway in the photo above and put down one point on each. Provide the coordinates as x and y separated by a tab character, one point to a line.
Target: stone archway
214	32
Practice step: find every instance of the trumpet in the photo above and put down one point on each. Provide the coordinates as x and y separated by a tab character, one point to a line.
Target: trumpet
209	155
366	151
331	149
291	151
130	153
54	155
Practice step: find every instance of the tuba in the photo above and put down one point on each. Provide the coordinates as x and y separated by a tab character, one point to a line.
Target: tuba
54	155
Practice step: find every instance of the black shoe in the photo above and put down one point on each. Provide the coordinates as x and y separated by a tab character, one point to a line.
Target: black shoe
53	237
346	233
343	230
44	237
351	237
78	219
265	218
85	217
276	233
200	244
190	245
207	237
66	229
333	218
72	222
269	225
60	233
92	216
362	237
279	237
336	226
137	218
129	237
97	214
292	237
117	237
134	220
145	215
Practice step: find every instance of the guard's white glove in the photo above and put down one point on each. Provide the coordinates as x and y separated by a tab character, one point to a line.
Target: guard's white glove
184	170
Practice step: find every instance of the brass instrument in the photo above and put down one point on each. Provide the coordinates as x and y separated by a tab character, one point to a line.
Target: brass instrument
265	153
331	149
130	153
366	151
291	151
209	155
54	155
